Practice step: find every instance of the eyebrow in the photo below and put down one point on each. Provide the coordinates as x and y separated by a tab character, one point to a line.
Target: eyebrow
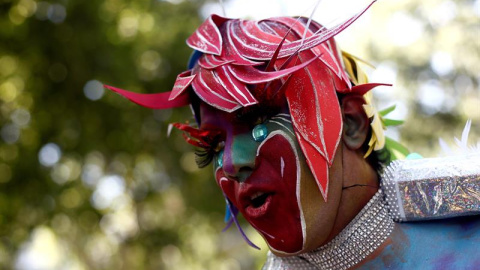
251	113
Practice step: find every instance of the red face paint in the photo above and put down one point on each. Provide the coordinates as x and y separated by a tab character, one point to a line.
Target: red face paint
268	196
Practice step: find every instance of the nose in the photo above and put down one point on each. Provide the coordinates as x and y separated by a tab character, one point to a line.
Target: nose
239	157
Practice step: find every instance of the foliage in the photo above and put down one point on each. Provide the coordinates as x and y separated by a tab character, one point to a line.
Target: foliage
113	191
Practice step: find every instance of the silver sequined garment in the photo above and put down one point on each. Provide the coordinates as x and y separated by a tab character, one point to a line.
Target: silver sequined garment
365	233
433	188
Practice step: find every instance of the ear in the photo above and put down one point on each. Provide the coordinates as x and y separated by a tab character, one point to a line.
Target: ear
355	122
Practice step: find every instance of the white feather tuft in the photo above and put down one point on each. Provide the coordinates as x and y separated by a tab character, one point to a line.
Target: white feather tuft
462	145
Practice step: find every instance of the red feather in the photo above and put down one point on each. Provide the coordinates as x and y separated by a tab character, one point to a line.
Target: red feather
153	101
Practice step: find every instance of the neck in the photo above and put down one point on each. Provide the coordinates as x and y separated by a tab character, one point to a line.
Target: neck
360	238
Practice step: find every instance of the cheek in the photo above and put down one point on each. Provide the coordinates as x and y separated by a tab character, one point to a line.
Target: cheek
320	216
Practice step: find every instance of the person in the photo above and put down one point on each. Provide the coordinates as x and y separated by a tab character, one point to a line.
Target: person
297	149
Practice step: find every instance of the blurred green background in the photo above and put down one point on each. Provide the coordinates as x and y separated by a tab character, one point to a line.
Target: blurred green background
90	181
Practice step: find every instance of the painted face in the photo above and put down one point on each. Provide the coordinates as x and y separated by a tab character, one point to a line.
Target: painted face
263	172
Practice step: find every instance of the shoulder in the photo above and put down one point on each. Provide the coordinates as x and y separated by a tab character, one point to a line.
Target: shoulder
435	244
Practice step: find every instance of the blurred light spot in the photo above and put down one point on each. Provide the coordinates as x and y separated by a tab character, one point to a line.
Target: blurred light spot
463	84
170	255
441	63
403	29
400	111
431	96
120	225
443	13
386	72
128	24
56	13
5	173
8	65
393	133
28	7
49	155
91	174
93	168
20	117
150	60
99	250
187	161
70	198
476	7
8	91
43	251
42	10
60	173
18	82
17	14
108	189
93	90
10	133
61	223
230	264
147	22
173	1
471	109
151	216
57	72
161	181
74	167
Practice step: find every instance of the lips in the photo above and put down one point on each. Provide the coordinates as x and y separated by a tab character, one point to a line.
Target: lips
254	200
259	205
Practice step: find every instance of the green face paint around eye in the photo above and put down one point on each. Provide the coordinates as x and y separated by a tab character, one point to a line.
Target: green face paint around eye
220	159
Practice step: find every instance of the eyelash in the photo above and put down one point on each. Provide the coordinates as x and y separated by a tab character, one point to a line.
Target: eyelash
204	156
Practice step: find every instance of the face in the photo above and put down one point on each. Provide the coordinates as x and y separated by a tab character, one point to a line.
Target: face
263	172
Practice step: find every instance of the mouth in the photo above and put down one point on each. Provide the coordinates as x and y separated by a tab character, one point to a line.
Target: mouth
258	204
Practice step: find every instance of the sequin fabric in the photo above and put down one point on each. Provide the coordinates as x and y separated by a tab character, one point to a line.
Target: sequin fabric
364	234
433	188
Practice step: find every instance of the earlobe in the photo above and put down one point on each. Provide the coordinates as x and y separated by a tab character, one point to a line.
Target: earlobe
355	121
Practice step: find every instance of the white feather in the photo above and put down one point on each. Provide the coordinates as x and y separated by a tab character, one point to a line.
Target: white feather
462	145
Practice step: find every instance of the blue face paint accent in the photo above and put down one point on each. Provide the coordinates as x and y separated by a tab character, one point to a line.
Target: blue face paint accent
228	214
259	132
220	159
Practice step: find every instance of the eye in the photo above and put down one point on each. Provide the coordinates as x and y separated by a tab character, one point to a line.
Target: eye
203	156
